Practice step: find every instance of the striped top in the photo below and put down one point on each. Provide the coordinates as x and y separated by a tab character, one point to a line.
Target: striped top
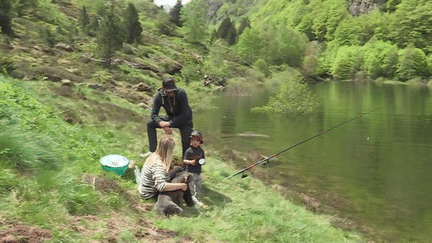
153	179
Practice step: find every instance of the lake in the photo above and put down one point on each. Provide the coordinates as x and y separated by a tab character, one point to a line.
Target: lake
375	169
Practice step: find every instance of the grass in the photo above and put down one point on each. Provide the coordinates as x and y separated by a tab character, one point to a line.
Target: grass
34	138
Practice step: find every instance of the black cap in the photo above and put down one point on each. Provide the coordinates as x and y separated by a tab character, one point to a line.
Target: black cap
198	134
169	84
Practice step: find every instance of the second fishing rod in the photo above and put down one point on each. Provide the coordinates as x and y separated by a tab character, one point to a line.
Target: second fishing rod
266	160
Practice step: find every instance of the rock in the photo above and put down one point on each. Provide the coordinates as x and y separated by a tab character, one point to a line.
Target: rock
67	82
140	66
176	68
96	86
143	105
64	47
142	87
53	77
357	7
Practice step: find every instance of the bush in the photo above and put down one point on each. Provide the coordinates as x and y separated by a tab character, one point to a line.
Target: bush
292	97
6	64
262	66
48	36
347	62
412	63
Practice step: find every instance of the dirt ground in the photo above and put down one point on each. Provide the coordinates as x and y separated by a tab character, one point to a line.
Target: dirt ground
15	232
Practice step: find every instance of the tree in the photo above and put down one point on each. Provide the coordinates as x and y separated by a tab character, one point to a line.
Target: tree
175	13
21	5
249	45
110	37
244	22
412	63
84	20
224	28
6	17
231	35
194	22
132	24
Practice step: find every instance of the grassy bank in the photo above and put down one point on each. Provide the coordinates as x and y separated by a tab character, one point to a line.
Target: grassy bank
53	188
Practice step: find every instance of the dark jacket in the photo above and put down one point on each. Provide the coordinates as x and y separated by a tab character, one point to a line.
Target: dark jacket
177	107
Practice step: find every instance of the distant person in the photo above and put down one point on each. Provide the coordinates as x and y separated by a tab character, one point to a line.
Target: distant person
154	177
179	115
193	159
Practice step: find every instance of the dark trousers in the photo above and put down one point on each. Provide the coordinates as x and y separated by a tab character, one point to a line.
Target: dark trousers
185	131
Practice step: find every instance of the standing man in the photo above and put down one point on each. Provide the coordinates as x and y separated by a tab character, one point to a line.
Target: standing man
179	115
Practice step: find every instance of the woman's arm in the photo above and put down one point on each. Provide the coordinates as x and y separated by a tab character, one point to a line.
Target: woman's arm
175	186
162	185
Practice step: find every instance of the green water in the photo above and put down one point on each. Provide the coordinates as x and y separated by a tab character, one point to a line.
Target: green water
377	169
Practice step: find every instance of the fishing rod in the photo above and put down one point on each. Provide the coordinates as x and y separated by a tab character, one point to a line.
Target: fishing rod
267	159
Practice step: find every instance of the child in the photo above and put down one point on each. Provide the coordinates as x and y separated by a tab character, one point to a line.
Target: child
193	159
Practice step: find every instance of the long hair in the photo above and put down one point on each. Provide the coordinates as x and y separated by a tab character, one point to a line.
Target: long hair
163	153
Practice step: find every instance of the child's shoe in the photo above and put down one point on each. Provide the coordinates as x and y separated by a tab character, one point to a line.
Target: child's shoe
195	200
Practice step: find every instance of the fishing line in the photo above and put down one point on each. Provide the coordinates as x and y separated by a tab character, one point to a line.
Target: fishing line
267	159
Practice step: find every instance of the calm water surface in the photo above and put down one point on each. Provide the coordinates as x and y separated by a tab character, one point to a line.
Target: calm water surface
381	163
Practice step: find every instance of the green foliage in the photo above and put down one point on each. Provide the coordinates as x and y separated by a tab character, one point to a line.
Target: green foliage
165	27
292	97
101	76
6	17
269	42
94	26
410	23
219	60
392	4
48	36
20	6
311	61
290	46
132	25
6	64
412	63
175	13
84	19
262	66
249	45
231	35
347	62
357	31
110	37
244	23
20	147
224	28
194	22
380	58
429	64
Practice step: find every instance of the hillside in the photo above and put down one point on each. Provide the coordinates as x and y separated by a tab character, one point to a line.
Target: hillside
68	104
358	40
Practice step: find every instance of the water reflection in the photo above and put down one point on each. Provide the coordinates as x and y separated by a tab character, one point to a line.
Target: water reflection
379	162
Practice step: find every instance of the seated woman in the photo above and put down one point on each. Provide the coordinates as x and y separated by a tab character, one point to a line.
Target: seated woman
154	176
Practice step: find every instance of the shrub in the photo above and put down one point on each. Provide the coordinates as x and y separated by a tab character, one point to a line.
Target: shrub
262	66
6	64
412	63
347	62
48	36
292	97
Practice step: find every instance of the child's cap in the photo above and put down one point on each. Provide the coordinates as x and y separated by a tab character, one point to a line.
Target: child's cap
197	134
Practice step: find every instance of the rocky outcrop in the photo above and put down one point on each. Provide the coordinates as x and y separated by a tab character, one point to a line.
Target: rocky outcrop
357	7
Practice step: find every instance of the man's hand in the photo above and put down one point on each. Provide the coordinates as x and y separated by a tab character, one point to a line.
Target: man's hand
163	124
167	130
